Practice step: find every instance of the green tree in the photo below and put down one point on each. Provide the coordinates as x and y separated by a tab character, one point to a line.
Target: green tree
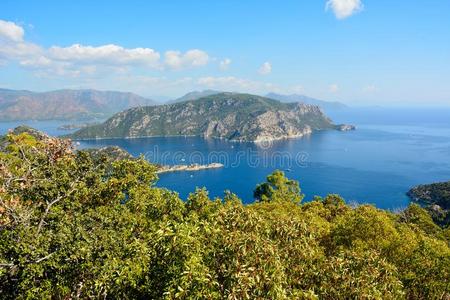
278	188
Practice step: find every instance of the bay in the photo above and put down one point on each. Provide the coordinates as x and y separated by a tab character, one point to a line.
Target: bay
391	151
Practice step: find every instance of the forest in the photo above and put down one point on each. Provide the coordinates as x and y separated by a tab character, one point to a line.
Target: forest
74	225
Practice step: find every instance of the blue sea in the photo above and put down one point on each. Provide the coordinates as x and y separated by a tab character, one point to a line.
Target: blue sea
391	151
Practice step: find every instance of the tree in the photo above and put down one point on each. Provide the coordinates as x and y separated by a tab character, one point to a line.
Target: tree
278	188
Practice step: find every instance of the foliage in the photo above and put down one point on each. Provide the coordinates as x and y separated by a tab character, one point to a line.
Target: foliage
74	226
436	199
278	188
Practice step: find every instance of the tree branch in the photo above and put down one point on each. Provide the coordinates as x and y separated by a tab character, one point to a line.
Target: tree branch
50	204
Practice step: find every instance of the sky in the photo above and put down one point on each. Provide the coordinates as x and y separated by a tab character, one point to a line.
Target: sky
360	52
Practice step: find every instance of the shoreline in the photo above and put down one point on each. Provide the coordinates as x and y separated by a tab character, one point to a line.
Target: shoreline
257	141
191	167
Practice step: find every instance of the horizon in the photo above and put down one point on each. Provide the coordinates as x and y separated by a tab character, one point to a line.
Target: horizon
358	52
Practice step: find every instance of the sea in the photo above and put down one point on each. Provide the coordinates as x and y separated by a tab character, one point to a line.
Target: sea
392	150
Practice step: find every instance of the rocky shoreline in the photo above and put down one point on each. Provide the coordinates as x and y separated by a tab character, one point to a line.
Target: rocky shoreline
435	198
345	127
191	167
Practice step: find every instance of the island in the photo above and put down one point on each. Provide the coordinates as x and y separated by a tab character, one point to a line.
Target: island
230	116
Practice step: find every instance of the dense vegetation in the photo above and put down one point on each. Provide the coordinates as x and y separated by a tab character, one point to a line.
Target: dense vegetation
232	116
436	199
74	226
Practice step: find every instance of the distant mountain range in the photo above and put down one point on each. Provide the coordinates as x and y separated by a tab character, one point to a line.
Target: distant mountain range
88	104
326	105
65	104
231	116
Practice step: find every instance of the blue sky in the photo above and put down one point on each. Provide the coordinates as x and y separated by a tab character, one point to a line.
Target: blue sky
356	51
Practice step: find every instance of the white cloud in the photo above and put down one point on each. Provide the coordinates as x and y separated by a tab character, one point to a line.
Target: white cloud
265	69
12	44
78	59
38	61
148	85
11	31
192	58
10	50
344	8
231	83
225	64
107	54
333	88
113	66
153	85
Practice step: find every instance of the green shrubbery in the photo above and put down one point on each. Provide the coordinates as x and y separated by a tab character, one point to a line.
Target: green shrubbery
72	227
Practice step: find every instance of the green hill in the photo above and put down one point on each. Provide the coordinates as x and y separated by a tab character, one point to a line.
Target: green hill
232	116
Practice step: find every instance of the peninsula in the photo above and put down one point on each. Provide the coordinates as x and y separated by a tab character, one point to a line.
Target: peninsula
191	167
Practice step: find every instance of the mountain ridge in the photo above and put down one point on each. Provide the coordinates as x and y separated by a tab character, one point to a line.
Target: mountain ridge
70	104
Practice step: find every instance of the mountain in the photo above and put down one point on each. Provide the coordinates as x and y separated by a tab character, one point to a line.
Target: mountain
65	104
326	105
194	96
232	116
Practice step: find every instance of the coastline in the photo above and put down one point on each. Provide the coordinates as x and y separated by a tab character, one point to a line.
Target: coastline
191	167
256	141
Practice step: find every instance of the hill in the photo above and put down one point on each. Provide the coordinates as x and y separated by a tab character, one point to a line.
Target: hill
65	104
326	105
238	117
195	95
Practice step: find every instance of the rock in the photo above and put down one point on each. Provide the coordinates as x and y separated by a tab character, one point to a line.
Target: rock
435	198
192	167
345	127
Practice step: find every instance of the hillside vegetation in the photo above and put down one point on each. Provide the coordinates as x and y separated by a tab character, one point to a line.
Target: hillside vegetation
436	199
74	226
239	117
